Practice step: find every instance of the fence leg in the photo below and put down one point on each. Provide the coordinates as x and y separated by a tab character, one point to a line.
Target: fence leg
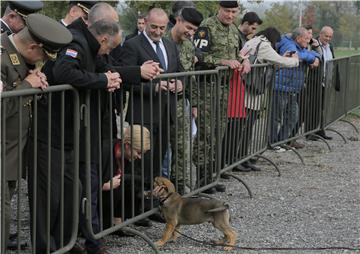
337	132
321	138
271	162
296	152
143	236
241	181
353	125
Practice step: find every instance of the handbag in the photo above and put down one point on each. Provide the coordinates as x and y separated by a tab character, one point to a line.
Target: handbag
259	78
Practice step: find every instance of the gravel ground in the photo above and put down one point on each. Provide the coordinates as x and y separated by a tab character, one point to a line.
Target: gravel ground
311	206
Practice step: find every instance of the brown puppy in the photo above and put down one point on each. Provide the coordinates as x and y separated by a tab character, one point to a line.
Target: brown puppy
189	211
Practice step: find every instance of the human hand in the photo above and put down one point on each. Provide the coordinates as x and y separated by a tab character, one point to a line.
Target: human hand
175	86
245	67
114	81
315	64
194	112
37	79
150	70
162	86
116	181
233	64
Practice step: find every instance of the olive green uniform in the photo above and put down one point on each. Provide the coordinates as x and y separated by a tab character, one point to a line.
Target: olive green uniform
224	44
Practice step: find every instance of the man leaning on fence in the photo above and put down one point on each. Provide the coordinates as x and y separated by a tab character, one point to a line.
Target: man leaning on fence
19	51
289	82
218	38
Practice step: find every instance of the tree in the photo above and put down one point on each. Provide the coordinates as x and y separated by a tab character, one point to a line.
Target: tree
281	17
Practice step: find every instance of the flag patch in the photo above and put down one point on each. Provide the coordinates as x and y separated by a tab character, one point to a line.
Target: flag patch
71	52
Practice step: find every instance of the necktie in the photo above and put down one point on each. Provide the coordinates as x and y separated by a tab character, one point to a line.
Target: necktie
160	55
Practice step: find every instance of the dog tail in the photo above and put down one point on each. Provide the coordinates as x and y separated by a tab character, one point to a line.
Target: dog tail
219	209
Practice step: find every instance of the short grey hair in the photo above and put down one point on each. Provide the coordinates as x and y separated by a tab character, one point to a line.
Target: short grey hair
299	31
100	11
103	26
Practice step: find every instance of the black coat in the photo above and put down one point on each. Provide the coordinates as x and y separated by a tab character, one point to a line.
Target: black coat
5	28
79	65
136	51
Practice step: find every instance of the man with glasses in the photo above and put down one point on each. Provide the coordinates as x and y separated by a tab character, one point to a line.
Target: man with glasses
40	37
15	13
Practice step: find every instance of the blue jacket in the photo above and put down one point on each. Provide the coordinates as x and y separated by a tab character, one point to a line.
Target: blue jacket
292	79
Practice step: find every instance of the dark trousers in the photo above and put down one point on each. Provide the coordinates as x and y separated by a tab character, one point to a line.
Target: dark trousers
43	194
232	140
92	245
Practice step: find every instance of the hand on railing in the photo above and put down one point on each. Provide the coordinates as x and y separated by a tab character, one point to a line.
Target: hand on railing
37	79
114	81
116	181
194	112
233	64
175	86
245	67
150	70
315	64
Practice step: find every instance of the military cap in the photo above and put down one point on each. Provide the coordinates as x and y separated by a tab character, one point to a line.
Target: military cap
84	5
192	16
178	5
229	4
24	8
48	32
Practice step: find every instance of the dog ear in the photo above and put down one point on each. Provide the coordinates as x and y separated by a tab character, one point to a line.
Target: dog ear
170	186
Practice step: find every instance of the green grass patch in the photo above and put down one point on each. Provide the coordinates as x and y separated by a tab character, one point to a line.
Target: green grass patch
346	52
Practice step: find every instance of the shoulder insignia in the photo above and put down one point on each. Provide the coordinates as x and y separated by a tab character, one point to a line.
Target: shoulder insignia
202	39
14	59
71	52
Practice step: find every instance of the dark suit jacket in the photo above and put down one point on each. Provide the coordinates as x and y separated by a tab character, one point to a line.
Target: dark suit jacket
136	51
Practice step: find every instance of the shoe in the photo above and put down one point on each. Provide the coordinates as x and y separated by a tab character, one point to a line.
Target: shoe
78	248
122	233
12	245
252	166
253	160
143	223
157	217
279	149
241	168
312	138
210	191
220	188
296	145
322	134
225	176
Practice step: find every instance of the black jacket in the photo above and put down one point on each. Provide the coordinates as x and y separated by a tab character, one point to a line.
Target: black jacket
79	65
135	52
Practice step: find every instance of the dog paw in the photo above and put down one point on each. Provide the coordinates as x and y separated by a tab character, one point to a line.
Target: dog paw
159	244
218	241
228	248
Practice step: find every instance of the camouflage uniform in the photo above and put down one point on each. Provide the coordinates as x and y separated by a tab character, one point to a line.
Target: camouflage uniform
223	44
181	142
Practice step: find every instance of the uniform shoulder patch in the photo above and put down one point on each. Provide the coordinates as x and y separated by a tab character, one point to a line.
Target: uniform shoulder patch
202	39
14	59
71	52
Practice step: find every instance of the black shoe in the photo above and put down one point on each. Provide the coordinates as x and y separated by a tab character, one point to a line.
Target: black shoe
312	138
12	245
322	134
157	217
143	223
241	168
225	176
326	137
78	248
253	167
212	190
122	233
220	188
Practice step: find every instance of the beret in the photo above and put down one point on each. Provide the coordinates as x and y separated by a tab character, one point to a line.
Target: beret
229	4
178	5
24	8
192	16
50	33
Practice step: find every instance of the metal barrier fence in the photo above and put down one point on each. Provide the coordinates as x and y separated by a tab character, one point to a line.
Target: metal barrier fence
190	127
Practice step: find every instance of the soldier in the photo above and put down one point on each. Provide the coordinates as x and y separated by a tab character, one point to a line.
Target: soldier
218	38
187	22
15	13
42	36
77	9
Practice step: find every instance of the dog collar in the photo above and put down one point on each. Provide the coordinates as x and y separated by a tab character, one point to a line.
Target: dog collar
162	201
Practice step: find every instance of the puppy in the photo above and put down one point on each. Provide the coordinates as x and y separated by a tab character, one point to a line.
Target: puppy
189	211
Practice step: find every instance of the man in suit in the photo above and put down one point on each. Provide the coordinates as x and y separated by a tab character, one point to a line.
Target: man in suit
151	103
20	52
140	26
13	19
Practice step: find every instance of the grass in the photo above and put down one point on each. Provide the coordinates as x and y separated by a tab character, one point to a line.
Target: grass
346	52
